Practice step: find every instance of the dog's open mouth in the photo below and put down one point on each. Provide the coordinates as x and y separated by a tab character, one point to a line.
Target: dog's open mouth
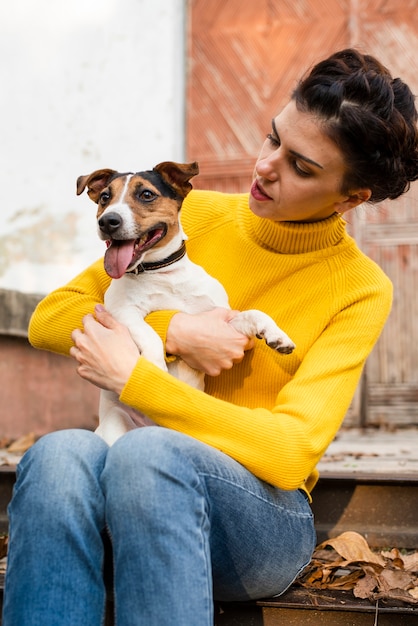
121	255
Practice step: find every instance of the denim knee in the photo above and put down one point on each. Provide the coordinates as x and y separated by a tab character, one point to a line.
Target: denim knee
59	463
58	451
151	447
145	461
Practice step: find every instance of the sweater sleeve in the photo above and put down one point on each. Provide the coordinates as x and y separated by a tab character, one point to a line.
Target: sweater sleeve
283	445
61	311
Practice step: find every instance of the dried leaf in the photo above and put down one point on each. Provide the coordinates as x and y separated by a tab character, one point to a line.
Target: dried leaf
394	579
346	582
354	548
394	558
399	595
327	554
9	459
346	562
365	587
23	443
410	562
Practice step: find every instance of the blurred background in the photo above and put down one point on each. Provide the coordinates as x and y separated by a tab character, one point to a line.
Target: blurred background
128	83
84	84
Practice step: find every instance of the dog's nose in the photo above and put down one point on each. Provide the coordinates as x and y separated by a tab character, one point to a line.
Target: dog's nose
110	222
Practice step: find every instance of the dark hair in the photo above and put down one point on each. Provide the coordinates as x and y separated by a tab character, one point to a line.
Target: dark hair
370	116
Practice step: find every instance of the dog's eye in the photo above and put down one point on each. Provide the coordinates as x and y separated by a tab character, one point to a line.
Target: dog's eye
104	197
147	195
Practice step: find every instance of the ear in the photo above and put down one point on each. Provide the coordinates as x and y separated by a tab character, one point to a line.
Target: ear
177	175
95	183
354	199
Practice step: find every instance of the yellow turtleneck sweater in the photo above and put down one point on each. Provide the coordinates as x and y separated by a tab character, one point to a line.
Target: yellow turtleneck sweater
275	414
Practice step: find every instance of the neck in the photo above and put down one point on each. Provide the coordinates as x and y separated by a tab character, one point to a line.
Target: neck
292	237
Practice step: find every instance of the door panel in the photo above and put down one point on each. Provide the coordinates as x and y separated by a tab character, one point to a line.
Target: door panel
244	58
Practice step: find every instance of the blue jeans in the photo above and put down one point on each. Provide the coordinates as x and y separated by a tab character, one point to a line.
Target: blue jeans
188	525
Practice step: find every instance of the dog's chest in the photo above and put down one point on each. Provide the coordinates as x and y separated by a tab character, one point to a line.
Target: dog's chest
190	290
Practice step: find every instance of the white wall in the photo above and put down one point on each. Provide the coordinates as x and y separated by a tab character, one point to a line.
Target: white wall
85	84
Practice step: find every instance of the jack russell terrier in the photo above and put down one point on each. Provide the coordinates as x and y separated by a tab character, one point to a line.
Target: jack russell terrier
138	217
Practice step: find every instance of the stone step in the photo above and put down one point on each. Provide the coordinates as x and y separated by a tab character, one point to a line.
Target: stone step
300	607
381	508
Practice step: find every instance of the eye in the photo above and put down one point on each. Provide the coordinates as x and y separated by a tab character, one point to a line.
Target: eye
147	195
104	197
300	169
274	141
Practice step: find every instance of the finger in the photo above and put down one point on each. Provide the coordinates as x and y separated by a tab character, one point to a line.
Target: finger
75	335
231	314
92	325
104	317
75	353
250	344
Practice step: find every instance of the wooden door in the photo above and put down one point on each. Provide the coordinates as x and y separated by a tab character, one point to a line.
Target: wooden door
244	58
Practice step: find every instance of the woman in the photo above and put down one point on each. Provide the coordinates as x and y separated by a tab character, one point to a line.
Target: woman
216	503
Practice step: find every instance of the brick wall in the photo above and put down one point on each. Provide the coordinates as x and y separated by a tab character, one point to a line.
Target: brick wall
39	391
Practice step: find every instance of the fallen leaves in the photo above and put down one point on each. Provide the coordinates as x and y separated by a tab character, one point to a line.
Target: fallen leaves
11	451
22	444
347	562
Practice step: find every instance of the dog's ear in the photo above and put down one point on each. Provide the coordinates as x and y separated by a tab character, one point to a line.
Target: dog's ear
177	175
95	183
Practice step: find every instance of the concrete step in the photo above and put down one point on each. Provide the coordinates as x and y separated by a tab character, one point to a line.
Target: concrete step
381	508
300	607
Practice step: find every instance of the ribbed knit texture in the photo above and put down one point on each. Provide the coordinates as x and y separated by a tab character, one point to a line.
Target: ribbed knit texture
273	413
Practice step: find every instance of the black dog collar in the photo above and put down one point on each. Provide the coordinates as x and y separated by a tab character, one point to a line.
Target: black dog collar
145	267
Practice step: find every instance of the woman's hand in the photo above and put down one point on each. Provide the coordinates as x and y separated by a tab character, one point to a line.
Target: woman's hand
104	350
206	341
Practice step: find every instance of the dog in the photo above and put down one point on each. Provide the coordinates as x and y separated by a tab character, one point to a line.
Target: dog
138	216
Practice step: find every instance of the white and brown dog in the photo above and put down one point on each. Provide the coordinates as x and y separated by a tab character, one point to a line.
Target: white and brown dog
139	218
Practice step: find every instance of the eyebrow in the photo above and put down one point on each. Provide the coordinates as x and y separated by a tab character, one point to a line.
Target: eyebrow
293	152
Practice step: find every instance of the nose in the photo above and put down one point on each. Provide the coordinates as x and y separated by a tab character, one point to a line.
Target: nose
268	166
110	222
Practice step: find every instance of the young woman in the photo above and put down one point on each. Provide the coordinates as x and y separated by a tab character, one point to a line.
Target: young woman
216	503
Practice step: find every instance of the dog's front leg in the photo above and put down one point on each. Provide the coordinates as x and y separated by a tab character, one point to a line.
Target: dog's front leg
149	344
255	323
146	339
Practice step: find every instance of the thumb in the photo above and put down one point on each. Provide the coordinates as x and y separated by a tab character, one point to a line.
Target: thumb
231	314
104	317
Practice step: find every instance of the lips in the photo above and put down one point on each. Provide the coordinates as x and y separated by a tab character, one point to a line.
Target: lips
258	192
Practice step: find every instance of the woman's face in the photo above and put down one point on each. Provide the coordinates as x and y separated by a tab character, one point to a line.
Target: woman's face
299	172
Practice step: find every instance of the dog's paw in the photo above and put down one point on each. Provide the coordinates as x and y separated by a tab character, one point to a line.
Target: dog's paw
281	343
285	347
254	323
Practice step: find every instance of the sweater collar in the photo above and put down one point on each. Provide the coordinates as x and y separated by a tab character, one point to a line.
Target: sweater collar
292	237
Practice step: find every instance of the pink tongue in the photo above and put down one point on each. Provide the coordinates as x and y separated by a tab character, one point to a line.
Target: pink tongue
118	257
